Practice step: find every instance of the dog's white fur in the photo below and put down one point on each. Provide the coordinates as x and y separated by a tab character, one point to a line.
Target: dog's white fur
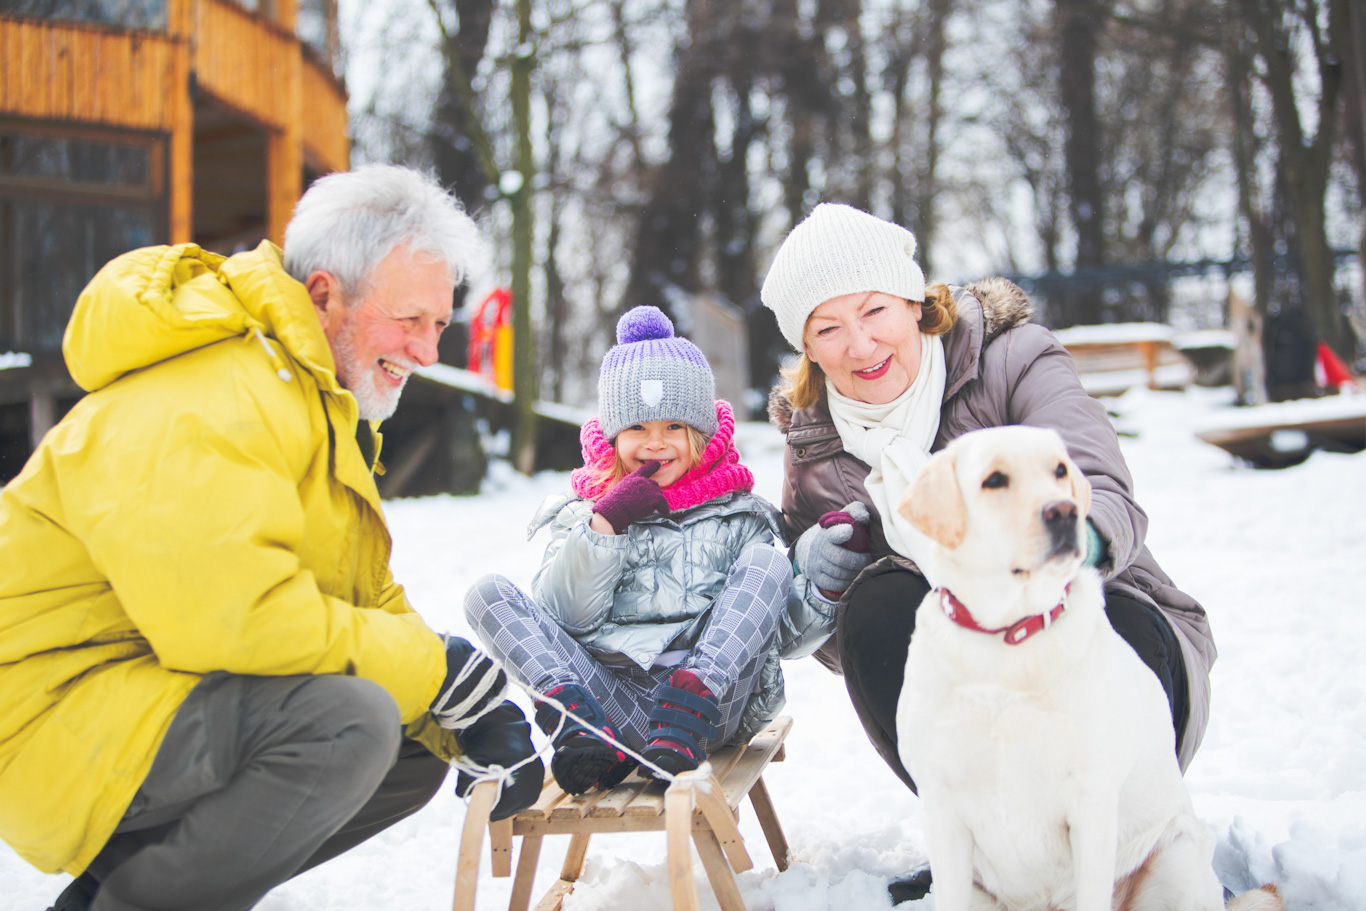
1047	770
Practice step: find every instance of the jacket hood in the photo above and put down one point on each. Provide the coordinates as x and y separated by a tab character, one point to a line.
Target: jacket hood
133	314
1000	305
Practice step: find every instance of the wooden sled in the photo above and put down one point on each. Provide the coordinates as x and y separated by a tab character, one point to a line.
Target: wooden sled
703	804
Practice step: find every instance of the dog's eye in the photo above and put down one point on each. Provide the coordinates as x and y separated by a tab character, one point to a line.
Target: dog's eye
996	479
1060	471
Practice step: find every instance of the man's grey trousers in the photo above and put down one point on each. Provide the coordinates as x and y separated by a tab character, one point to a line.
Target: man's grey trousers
257	780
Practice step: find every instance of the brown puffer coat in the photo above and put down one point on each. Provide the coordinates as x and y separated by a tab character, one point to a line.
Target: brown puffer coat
1002	369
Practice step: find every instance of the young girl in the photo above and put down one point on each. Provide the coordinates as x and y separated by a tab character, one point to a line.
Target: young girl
657	609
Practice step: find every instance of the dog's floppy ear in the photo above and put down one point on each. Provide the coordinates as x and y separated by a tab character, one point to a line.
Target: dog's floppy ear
1081	487
933	503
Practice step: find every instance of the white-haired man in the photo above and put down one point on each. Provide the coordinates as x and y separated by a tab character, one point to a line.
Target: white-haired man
209	680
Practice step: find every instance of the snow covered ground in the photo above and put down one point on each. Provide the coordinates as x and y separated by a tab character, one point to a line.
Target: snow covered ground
1277	557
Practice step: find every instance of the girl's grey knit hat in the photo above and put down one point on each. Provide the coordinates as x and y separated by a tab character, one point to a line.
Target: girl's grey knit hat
838	250
650	375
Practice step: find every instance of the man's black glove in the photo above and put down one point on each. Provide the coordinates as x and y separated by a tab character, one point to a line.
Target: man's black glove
503	737
473	686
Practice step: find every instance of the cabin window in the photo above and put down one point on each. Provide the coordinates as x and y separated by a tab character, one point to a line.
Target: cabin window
69	202
144	14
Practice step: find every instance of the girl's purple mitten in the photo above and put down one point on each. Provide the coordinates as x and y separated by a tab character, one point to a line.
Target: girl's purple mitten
633	498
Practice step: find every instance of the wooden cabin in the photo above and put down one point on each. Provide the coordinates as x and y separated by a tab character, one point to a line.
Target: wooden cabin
144	122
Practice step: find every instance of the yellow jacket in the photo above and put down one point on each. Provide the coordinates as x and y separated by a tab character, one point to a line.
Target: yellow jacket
206	507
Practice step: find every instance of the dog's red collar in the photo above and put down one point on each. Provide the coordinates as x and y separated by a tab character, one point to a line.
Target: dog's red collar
1016	633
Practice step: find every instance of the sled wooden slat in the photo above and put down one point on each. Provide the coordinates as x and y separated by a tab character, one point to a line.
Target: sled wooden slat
701	806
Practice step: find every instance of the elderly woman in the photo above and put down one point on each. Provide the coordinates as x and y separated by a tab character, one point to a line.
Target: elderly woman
889	371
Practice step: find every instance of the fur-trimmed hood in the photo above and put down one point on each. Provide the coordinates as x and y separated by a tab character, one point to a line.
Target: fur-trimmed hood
986	308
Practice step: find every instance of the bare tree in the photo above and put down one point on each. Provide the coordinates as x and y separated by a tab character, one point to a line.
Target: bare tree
1080	24
1292	39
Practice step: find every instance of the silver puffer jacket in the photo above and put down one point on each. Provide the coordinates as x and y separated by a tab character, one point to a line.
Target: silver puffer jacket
633	596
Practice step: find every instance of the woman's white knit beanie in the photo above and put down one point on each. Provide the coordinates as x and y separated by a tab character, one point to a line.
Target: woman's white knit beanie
838	250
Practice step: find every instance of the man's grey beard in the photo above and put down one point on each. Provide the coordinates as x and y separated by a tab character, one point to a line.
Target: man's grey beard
372	403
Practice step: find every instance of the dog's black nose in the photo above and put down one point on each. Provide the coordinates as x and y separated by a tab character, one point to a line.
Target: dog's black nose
1060	512
1060	520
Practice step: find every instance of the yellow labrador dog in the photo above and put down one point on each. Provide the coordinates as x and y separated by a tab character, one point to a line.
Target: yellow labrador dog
1042	746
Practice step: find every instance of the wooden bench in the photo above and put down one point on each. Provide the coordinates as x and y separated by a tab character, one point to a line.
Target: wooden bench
1112	358
700	806
1284	434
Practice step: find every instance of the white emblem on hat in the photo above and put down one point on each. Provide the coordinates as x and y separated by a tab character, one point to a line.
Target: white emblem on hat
651	392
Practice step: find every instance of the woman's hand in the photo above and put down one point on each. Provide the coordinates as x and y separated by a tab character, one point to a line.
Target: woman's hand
634	497
834	551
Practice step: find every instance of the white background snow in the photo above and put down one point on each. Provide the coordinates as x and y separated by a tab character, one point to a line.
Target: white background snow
1277	557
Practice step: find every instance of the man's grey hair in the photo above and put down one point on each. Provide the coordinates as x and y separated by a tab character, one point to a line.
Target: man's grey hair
347	222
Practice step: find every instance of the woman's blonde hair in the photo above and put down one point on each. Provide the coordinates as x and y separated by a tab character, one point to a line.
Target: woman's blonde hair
803	382
608	477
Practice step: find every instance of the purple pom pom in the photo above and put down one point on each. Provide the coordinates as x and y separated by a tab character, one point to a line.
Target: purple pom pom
641	323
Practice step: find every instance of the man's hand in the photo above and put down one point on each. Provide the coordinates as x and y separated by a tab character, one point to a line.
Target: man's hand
503	738
633	498
473	685
834	551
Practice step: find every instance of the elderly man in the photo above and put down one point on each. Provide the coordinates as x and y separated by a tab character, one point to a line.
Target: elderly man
209	680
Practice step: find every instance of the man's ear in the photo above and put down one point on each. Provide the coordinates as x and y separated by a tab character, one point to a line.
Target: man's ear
322	287
934	504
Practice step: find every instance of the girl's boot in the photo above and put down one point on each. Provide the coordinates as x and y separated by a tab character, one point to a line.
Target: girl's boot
582	759
685	713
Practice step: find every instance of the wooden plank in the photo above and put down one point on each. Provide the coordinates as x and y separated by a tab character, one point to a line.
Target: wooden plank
554	898
243	60
572	868
721	819
327	147
615	801
287	14
550	796
73	72
678	812
59	77
500	847
181	156
768	821
526	873
576	806
482	799
650	802
523	826
178	17
756	756
718	873
285	145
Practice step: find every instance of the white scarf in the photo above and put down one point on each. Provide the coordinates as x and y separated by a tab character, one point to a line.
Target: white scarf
894	439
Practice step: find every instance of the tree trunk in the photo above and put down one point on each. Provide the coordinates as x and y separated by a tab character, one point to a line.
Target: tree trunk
1358	22
927	177
1306	164
1079	24
556	304
523	339
455	151
668	241
459	147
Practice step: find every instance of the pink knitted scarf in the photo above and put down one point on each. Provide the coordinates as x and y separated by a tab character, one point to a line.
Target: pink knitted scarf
716	473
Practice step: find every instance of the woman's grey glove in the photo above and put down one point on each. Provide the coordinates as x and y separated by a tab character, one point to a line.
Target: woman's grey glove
835	550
